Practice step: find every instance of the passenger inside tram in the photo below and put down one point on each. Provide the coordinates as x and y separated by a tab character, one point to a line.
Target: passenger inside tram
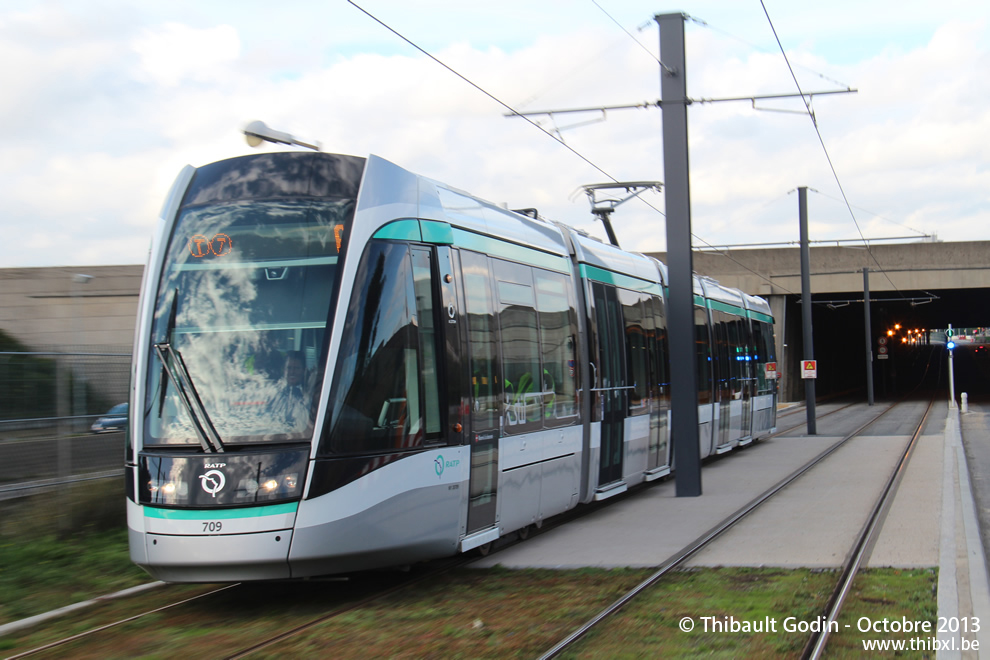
292	405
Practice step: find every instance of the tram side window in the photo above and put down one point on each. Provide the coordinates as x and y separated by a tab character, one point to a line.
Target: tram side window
637	358
422	270
659	353
385	391
521	375
720	355
558	338
703	355
763	340
743	357
737	355
769	352
482	340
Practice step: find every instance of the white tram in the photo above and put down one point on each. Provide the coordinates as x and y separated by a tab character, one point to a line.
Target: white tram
341	365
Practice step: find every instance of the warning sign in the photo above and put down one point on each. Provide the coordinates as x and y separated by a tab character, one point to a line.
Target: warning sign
771	370
809	368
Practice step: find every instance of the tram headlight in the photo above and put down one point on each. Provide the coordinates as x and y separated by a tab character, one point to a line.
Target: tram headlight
167	491
278	486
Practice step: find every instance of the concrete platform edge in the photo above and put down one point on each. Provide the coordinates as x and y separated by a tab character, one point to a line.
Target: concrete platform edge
21	624
957	488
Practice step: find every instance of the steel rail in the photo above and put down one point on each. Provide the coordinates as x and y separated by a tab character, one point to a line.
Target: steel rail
456	562
863	546
107	626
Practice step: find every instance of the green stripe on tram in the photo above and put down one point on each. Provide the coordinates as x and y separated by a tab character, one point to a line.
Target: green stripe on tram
498	248
738	311
438	233
441	233
760	316
400	230
720	306
597	274
221	514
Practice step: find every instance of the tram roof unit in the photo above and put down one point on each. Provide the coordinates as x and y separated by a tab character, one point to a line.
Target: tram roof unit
718	293
389	191
699	291
594	253
757	304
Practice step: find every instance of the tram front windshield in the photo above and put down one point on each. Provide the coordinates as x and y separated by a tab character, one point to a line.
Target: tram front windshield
241	317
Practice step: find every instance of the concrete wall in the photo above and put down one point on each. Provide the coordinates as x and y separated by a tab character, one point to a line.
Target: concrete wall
910	266
57	307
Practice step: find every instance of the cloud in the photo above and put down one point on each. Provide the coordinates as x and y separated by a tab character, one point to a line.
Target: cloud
103	111
173	54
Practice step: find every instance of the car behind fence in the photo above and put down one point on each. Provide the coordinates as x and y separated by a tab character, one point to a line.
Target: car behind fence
49	399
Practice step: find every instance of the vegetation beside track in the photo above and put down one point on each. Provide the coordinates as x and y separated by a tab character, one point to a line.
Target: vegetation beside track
62	548
649	626
502	613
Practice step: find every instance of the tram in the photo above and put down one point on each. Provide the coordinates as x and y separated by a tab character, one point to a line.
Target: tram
341	365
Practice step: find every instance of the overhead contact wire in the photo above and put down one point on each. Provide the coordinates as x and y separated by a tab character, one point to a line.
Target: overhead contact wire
821	140
538	126
481	89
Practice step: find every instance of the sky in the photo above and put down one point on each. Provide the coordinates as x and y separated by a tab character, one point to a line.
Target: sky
104	101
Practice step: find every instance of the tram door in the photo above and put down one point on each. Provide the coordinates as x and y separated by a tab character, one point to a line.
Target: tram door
748	378
611	386
483	387
660	395
723	367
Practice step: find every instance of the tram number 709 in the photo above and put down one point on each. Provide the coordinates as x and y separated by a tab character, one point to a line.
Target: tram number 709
212	526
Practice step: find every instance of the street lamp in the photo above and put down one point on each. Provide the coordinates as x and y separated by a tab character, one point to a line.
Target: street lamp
257	132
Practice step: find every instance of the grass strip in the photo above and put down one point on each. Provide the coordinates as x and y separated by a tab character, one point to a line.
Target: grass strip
48	573
522	614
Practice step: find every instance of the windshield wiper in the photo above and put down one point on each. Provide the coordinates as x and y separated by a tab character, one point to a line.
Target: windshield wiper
175	367
163	391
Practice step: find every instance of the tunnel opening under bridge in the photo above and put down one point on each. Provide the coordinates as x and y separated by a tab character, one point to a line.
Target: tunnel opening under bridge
912	363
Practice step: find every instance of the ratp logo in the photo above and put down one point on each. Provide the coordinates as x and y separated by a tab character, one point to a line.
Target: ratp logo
213	482
440	465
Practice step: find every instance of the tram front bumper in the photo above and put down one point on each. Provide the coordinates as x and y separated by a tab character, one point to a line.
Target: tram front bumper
218	558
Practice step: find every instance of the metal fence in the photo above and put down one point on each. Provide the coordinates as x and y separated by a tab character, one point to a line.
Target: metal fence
49	398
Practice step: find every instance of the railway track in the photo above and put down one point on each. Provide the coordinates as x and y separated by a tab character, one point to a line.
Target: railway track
859	552
220	600
347	595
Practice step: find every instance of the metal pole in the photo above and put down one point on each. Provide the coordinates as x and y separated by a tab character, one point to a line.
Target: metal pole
677	195
952	376
809	346
869	336
63	459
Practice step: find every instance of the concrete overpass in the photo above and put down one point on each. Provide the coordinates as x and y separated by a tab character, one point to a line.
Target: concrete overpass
56	307
70	306
903	278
